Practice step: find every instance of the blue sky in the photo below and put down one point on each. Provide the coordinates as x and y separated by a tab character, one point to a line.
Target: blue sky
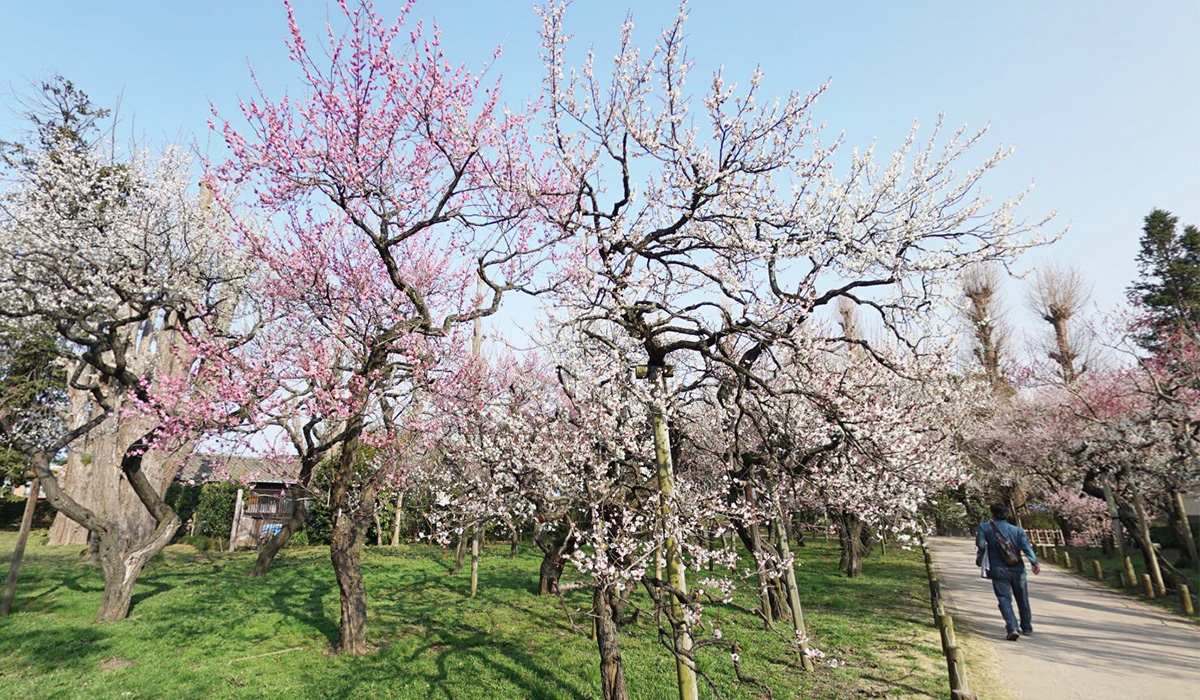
1101	99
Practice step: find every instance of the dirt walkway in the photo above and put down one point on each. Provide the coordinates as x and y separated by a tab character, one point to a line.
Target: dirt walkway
1089	642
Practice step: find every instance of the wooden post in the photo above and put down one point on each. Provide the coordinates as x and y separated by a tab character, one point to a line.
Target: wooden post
675	569
1130	576
1148	584
14	568
1120	578
955	666
399	511
1098	570
237	521
947	624
1185	600
1079	566
1067	559
475	541
793	590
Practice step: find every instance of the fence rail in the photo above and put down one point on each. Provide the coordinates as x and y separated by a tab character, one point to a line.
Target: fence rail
259	504
1050	538
956	662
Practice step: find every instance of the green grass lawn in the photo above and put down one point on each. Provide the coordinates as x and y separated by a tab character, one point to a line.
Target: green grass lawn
194	613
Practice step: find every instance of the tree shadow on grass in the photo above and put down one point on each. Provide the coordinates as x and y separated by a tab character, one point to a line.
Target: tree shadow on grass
302	599
153	585
513	665
73	649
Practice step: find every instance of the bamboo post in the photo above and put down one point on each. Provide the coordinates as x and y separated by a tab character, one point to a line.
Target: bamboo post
793	590
1130	576
1185	600
399	511
1148	584
14	568
675	568
237	521
1098	569
475	542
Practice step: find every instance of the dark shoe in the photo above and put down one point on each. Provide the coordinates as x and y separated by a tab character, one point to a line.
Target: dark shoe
1013	636
1026	633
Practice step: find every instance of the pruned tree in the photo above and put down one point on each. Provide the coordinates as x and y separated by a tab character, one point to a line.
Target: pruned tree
987	321
1058	295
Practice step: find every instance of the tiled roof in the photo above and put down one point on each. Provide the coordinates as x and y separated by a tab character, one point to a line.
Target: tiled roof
210	467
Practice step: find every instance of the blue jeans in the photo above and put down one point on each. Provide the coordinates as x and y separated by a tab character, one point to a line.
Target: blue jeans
1007	583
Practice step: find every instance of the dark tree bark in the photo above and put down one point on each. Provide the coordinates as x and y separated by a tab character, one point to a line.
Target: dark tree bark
460	552
612	669
274	544
269	549
850	538
554	558
1177	517
122	558
346	543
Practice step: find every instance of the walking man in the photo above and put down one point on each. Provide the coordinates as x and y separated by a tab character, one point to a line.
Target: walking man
1001	543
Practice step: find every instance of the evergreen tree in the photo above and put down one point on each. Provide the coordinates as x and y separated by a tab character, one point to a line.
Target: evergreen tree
1168	290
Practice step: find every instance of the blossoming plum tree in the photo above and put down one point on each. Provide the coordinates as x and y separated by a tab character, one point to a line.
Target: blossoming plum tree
399	180
119	257
703	221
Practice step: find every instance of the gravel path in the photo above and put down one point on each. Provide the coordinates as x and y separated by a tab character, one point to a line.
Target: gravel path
1089	642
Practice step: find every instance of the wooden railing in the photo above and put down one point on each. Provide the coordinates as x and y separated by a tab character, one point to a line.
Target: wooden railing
956	662
1049	538
260	504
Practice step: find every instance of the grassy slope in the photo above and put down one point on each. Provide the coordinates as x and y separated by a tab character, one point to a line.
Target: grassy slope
193	613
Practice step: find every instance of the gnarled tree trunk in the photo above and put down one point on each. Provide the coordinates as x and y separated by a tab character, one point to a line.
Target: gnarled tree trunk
612	669
346	544
554	558
269	549
122	558
850	538
1182	528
